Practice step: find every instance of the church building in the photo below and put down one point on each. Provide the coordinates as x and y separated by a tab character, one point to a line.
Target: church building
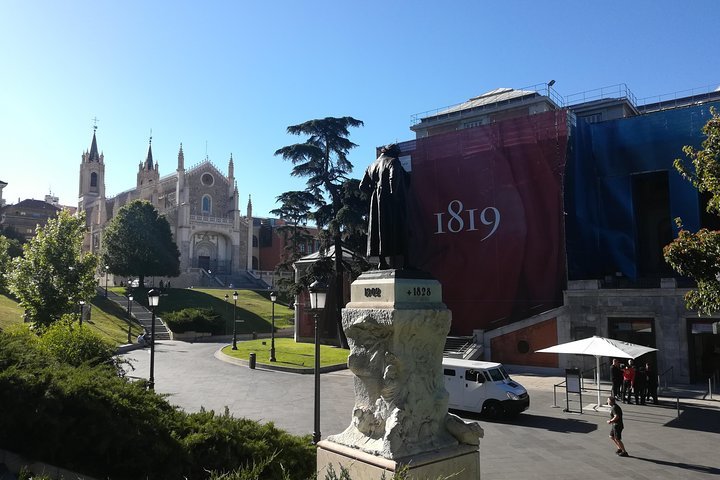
201	204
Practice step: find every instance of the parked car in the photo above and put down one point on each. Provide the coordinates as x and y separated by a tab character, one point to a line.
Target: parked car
483	387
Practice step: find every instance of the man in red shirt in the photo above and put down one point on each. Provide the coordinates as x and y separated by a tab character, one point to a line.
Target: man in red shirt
628	379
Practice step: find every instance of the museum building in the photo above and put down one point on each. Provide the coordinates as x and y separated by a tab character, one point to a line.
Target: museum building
544	217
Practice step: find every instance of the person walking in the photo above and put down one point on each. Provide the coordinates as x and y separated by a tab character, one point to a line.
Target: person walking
616	427
628	379
652	384
616	376
640	385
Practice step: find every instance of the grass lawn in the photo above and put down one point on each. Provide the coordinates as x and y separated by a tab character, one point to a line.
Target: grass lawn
288	353
10	312
106	318
254	309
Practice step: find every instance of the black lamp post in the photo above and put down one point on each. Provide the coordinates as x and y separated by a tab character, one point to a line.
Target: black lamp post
129	312
318	293
106	279
227	304
82	304
273	299
235	297
153	300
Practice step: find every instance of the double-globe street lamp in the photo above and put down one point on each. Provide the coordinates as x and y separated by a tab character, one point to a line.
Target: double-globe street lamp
273	299
318	294
235	297
153	300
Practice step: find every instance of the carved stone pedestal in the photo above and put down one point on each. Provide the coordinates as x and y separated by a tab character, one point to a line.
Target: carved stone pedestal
461	462
396	325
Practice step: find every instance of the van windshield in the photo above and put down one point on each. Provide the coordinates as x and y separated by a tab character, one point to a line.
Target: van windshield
496	374
504	372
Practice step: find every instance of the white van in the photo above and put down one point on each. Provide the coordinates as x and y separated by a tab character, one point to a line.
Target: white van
483	387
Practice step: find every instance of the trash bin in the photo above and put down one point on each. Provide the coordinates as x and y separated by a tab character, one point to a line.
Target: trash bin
252	360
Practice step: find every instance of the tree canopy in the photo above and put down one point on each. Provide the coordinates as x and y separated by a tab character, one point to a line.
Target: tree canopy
138	242
697	255
53	274
323	160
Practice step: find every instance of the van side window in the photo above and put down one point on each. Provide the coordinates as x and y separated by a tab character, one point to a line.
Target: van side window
474	376
487	376
448	372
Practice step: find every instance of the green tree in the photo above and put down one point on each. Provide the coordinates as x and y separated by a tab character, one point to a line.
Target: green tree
138	242
53	274
295	210
323	160
4	262
697	255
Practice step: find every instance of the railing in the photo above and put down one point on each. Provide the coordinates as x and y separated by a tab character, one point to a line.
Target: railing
675	99
662	377
533	91
208	219
614	91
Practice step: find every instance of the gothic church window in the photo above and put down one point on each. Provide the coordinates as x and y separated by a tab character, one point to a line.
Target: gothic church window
93	179
206	205
207	179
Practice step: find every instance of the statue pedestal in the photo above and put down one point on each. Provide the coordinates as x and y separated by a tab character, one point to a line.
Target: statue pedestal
463	461
396	325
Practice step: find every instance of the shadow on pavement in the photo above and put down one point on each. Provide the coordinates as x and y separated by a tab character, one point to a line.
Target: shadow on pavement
562	425
684	466
700	419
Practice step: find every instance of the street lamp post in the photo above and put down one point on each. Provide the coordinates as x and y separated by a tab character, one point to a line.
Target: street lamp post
227	304
273	299
318	293
235	297
82	304
129	312
106	279
153	300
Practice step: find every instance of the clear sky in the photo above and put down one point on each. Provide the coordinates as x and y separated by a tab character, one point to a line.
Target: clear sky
229	77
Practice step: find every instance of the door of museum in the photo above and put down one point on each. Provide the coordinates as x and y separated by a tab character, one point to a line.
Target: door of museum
703	349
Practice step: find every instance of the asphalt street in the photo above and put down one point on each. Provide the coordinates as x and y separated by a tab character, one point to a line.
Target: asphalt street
543	442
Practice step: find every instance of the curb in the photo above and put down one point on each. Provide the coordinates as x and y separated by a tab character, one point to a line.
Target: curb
128	347
264	366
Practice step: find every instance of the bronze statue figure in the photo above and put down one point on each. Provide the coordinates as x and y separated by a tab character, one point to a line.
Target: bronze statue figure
387	182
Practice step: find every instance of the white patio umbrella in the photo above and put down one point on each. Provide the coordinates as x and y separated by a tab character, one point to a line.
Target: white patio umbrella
600	347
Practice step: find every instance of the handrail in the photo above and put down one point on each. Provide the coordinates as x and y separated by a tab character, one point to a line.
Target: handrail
660	376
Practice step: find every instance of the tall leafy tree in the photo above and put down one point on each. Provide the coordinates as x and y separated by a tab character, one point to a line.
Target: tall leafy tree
697	255
53	274
138	242
295	209
4	262
323	159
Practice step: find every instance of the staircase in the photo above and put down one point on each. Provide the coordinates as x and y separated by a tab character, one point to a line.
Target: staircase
140	314
462	347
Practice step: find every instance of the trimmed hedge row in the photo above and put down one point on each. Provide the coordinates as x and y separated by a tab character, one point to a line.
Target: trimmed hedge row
195	320
88	419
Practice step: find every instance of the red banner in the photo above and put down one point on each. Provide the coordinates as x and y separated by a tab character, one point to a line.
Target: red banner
487	219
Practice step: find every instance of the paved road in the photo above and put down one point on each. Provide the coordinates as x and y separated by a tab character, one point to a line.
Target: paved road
543	443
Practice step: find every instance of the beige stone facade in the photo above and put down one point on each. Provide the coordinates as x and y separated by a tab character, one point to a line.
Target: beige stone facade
201	204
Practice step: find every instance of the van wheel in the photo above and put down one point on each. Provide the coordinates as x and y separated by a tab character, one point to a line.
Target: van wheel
493	409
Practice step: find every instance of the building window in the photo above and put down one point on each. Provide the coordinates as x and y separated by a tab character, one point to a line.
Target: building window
255	241
93	179
207	179
206	205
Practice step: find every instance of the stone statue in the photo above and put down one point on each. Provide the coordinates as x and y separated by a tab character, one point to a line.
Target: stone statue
400	397
386	181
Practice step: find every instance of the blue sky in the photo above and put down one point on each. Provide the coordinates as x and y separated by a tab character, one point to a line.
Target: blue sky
229	77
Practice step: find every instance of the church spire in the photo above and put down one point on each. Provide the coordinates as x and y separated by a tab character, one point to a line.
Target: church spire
231	168
149	160
94	156
181	159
